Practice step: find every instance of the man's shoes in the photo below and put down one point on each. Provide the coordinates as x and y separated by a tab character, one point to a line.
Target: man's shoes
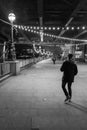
67	98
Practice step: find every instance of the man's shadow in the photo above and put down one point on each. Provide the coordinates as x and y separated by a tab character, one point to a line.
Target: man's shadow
77	106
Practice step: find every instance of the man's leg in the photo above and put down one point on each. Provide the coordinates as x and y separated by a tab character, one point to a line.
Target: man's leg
70	90
64	89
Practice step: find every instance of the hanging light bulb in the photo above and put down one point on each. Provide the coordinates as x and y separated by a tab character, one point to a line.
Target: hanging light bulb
37	27
16	26
49	28
34	27
19	27
83	27
31	27
78	28
34	31
22	28
53	28
25	29
67	28
45	28
72	28
58	28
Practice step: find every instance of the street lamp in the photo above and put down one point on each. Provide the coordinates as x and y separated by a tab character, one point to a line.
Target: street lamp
12	18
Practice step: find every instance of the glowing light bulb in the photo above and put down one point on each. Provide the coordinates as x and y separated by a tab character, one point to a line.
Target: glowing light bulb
67	28
58	28
53	28
72	28
49	28
83	27
78	28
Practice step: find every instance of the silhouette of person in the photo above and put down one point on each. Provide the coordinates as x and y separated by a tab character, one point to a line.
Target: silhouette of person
54	60
69	69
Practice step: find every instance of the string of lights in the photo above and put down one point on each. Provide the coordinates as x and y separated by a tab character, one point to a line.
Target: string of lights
34	29
25	28
53	28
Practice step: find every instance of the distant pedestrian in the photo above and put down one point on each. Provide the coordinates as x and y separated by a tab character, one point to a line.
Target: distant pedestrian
54	60
69	69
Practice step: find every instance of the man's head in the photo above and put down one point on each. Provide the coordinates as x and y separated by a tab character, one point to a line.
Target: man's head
70	56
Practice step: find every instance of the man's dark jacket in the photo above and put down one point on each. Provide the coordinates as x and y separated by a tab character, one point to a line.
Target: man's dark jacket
70	70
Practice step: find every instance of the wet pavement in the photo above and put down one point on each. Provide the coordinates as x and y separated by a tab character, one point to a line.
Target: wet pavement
34	100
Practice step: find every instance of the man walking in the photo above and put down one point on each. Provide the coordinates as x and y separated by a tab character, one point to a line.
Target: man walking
69	69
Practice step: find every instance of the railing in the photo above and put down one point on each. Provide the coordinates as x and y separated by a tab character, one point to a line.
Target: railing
8	67
4	68
27	62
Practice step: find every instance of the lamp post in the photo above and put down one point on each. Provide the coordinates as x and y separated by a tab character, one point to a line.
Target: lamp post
12	18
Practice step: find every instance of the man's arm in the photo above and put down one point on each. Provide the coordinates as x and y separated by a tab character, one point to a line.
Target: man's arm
75	70
62	67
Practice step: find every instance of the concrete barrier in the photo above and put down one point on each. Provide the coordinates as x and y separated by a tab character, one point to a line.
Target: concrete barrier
15	67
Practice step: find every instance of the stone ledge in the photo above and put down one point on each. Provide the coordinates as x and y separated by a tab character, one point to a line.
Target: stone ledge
5	77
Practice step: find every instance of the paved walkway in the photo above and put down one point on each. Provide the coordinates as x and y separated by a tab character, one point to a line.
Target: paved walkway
34	100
